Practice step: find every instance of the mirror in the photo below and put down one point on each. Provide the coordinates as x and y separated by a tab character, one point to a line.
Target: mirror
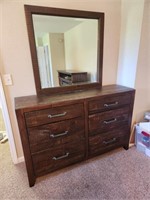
66	48
65	45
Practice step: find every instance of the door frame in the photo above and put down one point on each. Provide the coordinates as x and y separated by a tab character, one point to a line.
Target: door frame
8	124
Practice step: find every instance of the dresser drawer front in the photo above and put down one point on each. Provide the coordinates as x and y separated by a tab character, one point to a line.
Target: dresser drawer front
109	103
55	134
106	141
109	120
40	117
56	158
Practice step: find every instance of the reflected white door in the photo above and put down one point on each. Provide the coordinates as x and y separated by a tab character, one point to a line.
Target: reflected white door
44	67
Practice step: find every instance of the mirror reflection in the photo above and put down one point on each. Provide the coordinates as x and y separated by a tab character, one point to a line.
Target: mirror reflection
66	50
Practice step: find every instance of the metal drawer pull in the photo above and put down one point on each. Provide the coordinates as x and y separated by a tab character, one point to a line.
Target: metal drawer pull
61	157
110	141
110	121
58	115
111	104
59	135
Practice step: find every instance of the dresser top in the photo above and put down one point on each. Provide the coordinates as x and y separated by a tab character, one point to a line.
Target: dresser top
70	72
34	101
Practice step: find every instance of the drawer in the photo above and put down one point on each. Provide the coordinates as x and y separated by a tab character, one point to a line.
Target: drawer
56	158
105	121
106	141
109	102
45	116
55	134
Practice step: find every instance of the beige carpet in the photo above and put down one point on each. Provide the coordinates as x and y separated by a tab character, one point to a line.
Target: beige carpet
116	175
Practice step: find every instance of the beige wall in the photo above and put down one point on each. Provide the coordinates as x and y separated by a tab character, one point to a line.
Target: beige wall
142	84
81	48
131	25
57	48
16	59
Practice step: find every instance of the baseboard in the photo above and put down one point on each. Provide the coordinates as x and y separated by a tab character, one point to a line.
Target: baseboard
131	145
20	159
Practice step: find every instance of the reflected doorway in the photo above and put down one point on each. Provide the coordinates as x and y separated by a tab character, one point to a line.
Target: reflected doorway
45	68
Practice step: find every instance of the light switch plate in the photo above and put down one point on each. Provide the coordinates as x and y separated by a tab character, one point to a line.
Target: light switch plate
7	79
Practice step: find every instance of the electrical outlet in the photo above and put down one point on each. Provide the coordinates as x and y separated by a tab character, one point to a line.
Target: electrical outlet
7	79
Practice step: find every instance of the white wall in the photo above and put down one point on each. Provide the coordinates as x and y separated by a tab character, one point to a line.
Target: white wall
134	54
57	49
142	83
81	48
131	24
15	52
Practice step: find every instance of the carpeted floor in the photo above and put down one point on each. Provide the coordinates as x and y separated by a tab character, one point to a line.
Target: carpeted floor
114	176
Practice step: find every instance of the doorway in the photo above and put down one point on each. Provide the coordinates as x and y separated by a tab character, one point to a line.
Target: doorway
3	134
45	66
6	125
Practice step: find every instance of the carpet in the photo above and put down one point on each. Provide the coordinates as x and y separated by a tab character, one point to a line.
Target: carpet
116	175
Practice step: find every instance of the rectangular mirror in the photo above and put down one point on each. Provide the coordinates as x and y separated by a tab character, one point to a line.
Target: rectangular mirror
67	45
66	48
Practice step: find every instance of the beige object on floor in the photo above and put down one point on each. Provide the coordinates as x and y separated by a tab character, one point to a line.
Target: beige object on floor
5	137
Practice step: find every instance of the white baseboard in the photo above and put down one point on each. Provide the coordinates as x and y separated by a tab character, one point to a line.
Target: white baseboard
20	159
131	145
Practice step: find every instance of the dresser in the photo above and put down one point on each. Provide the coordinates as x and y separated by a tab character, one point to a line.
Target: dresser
60	130
70	77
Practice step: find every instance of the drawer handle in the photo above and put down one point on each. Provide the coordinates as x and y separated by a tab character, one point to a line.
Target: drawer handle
57	115
61	157
110	121
59	135
111	104
110	141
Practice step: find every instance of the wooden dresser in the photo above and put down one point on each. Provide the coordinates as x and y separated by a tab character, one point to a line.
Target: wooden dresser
70	77
59	130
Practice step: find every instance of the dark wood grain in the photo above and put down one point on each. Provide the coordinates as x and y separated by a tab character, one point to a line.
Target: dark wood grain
101	143
88	134
86	127
35	102
109	120
41	117
29	10
43	161
41	137
70	77
109	103
126	146
26	148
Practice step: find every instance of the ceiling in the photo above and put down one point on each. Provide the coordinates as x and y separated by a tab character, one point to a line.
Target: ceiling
53	24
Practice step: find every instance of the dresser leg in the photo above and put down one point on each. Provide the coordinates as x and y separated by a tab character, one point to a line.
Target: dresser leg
32	182
126	147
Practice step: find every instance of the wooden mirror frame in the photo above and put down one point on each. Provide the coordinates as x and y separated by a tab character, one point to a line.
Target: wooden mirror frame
29	10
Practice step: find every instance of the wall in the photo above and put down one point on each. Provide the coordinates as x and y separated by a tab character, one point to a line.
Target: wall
142	83
134	54
81	48
57	48
131	24
15	53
